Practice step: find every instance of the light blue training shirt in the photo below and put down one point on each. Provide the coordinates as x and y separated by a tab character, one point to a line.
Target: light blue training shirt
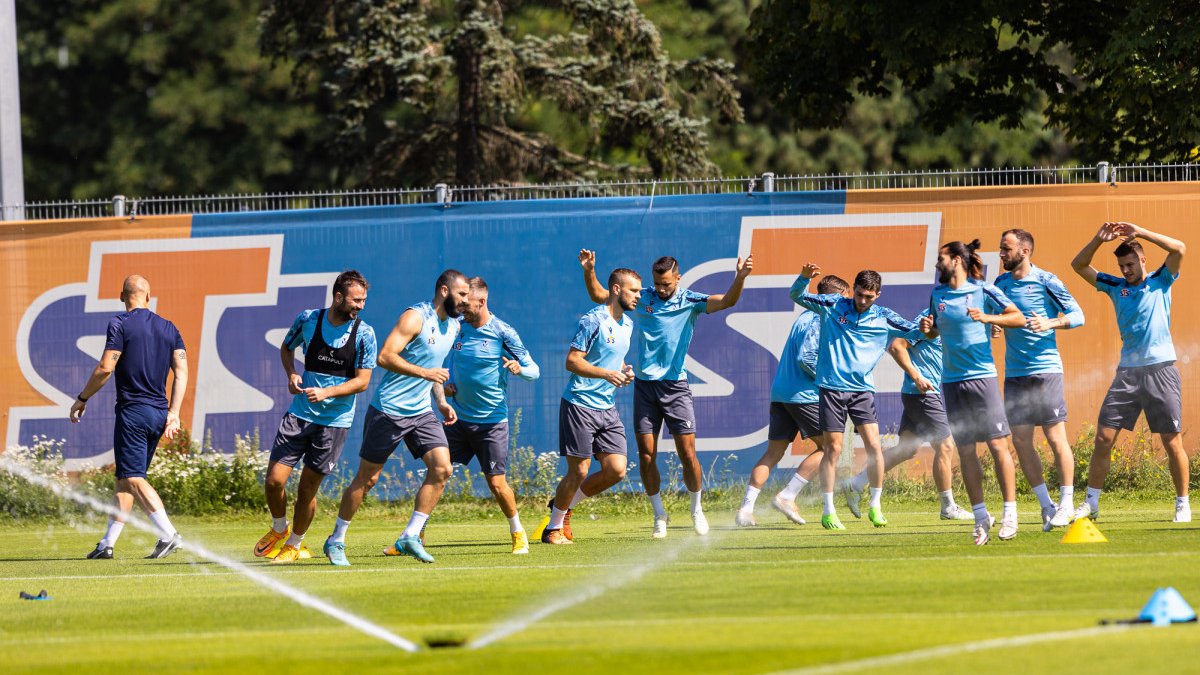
404	396
1039	293
1143	316
795	377
337	412
665	332
966	343
477	370
605	342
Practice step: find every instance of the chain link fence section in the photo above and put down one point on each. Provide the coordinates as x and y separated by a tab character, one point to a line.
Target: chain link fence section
447	195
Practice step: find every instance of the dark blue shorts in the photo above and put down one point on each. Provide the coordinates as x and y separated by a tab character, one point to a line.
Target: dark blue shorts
488	442
656	401
1035	400
836	406
924	417
135	437
383	432
976	411
319	446
585	432
789	419
1155	390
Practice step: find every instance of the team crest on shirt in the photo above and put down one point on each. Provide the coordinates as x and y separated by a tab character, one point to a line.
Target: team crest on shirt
941	306
842	319
458	346
1124	292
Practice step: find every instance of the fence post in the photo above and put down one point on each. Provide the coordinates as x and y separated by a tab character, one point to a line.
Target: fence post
118	203
1102	172
440	192
768	182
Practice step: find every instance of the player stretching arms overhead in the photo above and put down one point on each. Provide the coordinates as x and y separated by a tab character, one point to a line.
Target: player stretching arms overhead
666	316
487	352
923	421
588	423
854	334
1033	371
961	306
1146	378
794	410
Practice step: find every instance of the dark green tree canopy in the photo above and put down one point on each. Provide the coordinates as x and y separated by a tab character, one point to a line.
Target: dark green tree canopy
1118	78
459	90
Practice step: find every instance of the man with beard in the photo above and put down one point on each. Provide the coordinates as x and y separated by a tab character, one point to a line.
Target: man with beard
960	308
588	423
339	354
1033	371
1147	379
666	316
486	353
854	334
401	410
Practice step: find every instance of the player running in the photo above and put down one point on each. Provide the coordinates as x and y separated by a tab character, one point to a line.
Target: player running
960	308
854	334
413	354
1033	371
1147	379
794	411
666	317
339	354
923	421
487	352
588	423
140	348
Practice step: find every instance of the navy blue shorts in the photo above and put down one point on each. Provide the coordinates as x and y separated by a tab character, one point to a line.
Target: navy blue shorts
135	437
655	401
488	442
836	406
383	432
976	410
924	417
319	446
1155	389
585	432
789	419
1035	400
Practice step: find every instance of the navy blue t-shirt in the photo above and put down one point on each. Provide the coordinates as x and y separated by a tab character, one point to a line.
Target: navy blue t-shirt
146	342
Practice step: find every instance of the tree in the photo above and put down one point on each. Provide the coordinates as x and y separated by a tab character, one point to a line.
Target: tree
422	91
1118	78
153	97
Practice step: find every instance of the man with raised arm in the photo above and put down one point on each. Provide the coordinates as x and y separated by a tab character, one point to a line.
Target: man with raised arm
1147	379
339	355
854	334
141	348
666	316
487	352
414	356
588	423
1033	371
961	308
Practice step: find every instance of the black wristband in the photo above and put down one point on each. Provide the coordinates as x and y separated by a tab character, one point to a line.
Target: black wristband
81	399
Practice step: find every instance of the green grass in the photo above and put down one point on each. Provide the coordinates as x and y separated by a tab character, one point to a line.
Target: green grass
749	601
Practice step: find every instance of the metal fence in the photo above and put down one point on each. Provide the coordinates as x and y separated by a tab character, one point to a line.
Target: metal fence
448	195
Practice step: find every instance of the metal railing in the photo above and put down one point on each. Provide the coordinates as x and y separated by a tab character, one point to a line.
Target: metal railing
448	195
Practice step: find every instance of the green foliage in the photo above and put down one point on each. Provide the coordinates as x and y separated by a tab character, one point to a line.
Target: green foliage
1116	77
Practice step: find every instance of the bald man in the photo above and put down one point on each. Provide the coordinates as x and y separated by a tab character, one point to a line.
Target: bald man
141	347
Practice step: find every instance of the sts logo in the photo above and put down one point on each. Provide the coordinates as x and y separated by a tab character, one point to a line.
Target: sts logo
232	306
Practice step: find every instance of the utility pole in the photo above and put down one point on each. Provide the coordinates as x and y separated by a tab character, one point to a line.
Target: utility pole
12	174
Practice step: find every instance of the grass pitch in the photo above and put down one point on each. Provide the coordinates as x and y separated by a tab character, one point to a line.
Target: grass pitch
777	597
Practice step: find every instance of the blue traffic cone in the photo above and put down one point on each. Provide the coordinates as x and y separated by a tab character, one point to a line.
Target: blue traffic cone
1167	606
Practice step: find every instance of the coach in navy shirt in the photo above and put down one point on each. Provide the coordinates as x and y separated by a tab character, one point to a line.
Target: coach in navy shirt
141	348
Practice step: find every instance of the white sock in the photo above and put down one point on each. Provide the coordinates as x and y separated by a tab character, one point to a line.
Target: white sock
859	482
339	530
556	518
279	525
1093	498
163	523
1066	495
112	533
947	498
1010	509
696	506
1182	502
876	493
295	540
794	486
829	507
514	524
981	514
1043	495
656	502
750	498
415	524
